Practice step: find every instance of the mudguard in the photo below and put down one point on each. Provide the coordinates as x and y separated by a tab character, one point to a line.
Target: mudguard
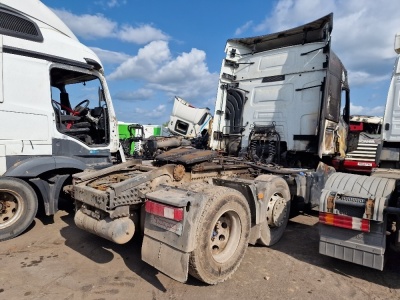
166	249
351	196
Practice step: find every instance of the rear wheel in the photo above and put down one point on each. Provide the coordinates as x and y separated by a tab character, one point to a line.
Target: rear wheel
222	236
277	196
18	207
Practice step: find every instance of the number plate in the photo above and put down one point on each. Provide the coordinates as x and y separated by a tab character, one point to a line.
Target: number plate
166	224
364	164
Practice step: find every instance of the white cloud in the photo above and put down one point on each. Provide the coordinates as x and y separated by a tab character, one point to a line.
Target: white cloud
145	63
243	28
363	31
98	26
186	74
88	26
110	3
358	78
367	111
112	57
113	3
140	94
141	35
157	112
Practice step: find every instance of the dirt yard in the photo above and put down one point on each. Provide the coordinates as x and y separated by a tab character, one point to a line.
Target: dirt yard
56	260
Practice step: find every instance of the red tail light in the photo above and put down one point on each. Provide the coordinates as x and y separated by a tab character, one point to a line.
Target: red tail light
344	221
169	212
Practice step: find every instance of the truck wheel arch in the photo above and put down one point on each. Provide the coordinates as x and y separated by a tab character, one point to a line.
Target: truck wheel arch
276	196
35	166
47	175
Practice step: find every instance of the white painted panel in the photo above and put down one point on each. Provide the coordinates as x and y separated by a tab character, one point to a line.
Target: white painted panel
274	60
3	166
26	113
279	61
1	69
278	92
27	147
308	124
392	112
293	103
23	126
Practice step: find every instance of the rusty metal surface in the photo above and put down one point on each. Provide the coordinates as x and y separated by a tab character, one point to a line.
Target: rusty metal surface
126	188
174	153
179	172
197	157
186	156
92	174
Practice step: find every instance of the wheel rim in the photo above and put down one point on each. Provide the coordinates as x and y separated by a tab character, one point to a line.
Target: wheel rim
225	236
11	208
276	210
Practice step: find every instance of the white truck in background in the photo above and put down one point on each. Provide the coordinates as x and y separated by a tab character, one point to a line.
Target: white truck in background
56	114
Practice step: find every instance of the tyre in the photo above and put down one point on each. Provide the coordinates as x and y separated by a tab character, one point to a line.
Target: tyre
18	207
277	196
222	236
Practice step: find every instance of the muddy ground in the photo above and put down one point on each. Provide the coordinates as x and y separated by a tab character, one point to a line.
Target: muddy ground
55	260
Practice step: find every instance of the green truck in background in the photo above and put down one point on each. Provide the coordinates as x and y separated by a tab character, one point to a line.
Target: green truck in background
131	136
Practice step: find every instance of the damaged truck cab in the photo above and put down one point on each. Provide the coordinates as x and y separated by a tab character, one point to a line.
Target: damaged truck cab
279	96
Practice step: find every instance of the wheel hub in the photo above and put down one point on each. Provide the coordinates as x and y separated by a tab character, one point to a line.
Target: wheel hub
220	235
276	211
9	209
225	236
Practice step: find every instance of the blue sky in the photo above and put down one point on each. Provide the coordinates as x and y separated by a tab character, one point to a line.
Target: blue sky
154	50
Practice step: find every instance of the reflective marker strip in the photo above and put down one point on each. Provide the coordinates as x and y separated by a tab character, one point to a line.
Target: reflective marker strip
344	221
169	212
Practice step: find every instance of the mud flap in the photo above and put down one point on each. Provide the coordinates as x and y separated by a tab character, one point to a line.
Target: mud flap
350	195
362	248
166	259
167	244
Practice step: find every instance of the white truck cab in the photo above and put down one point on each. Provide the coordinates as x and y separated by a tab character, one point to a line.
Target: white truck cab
187	120
281	94
56	114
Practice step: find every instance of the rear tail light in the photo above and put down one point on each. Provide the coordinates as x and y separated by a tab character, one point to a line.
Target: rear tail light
169	212
344	221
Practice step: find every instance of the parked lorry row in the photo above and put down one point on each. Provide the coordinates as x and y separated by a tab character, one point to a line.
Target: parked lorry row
277	131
